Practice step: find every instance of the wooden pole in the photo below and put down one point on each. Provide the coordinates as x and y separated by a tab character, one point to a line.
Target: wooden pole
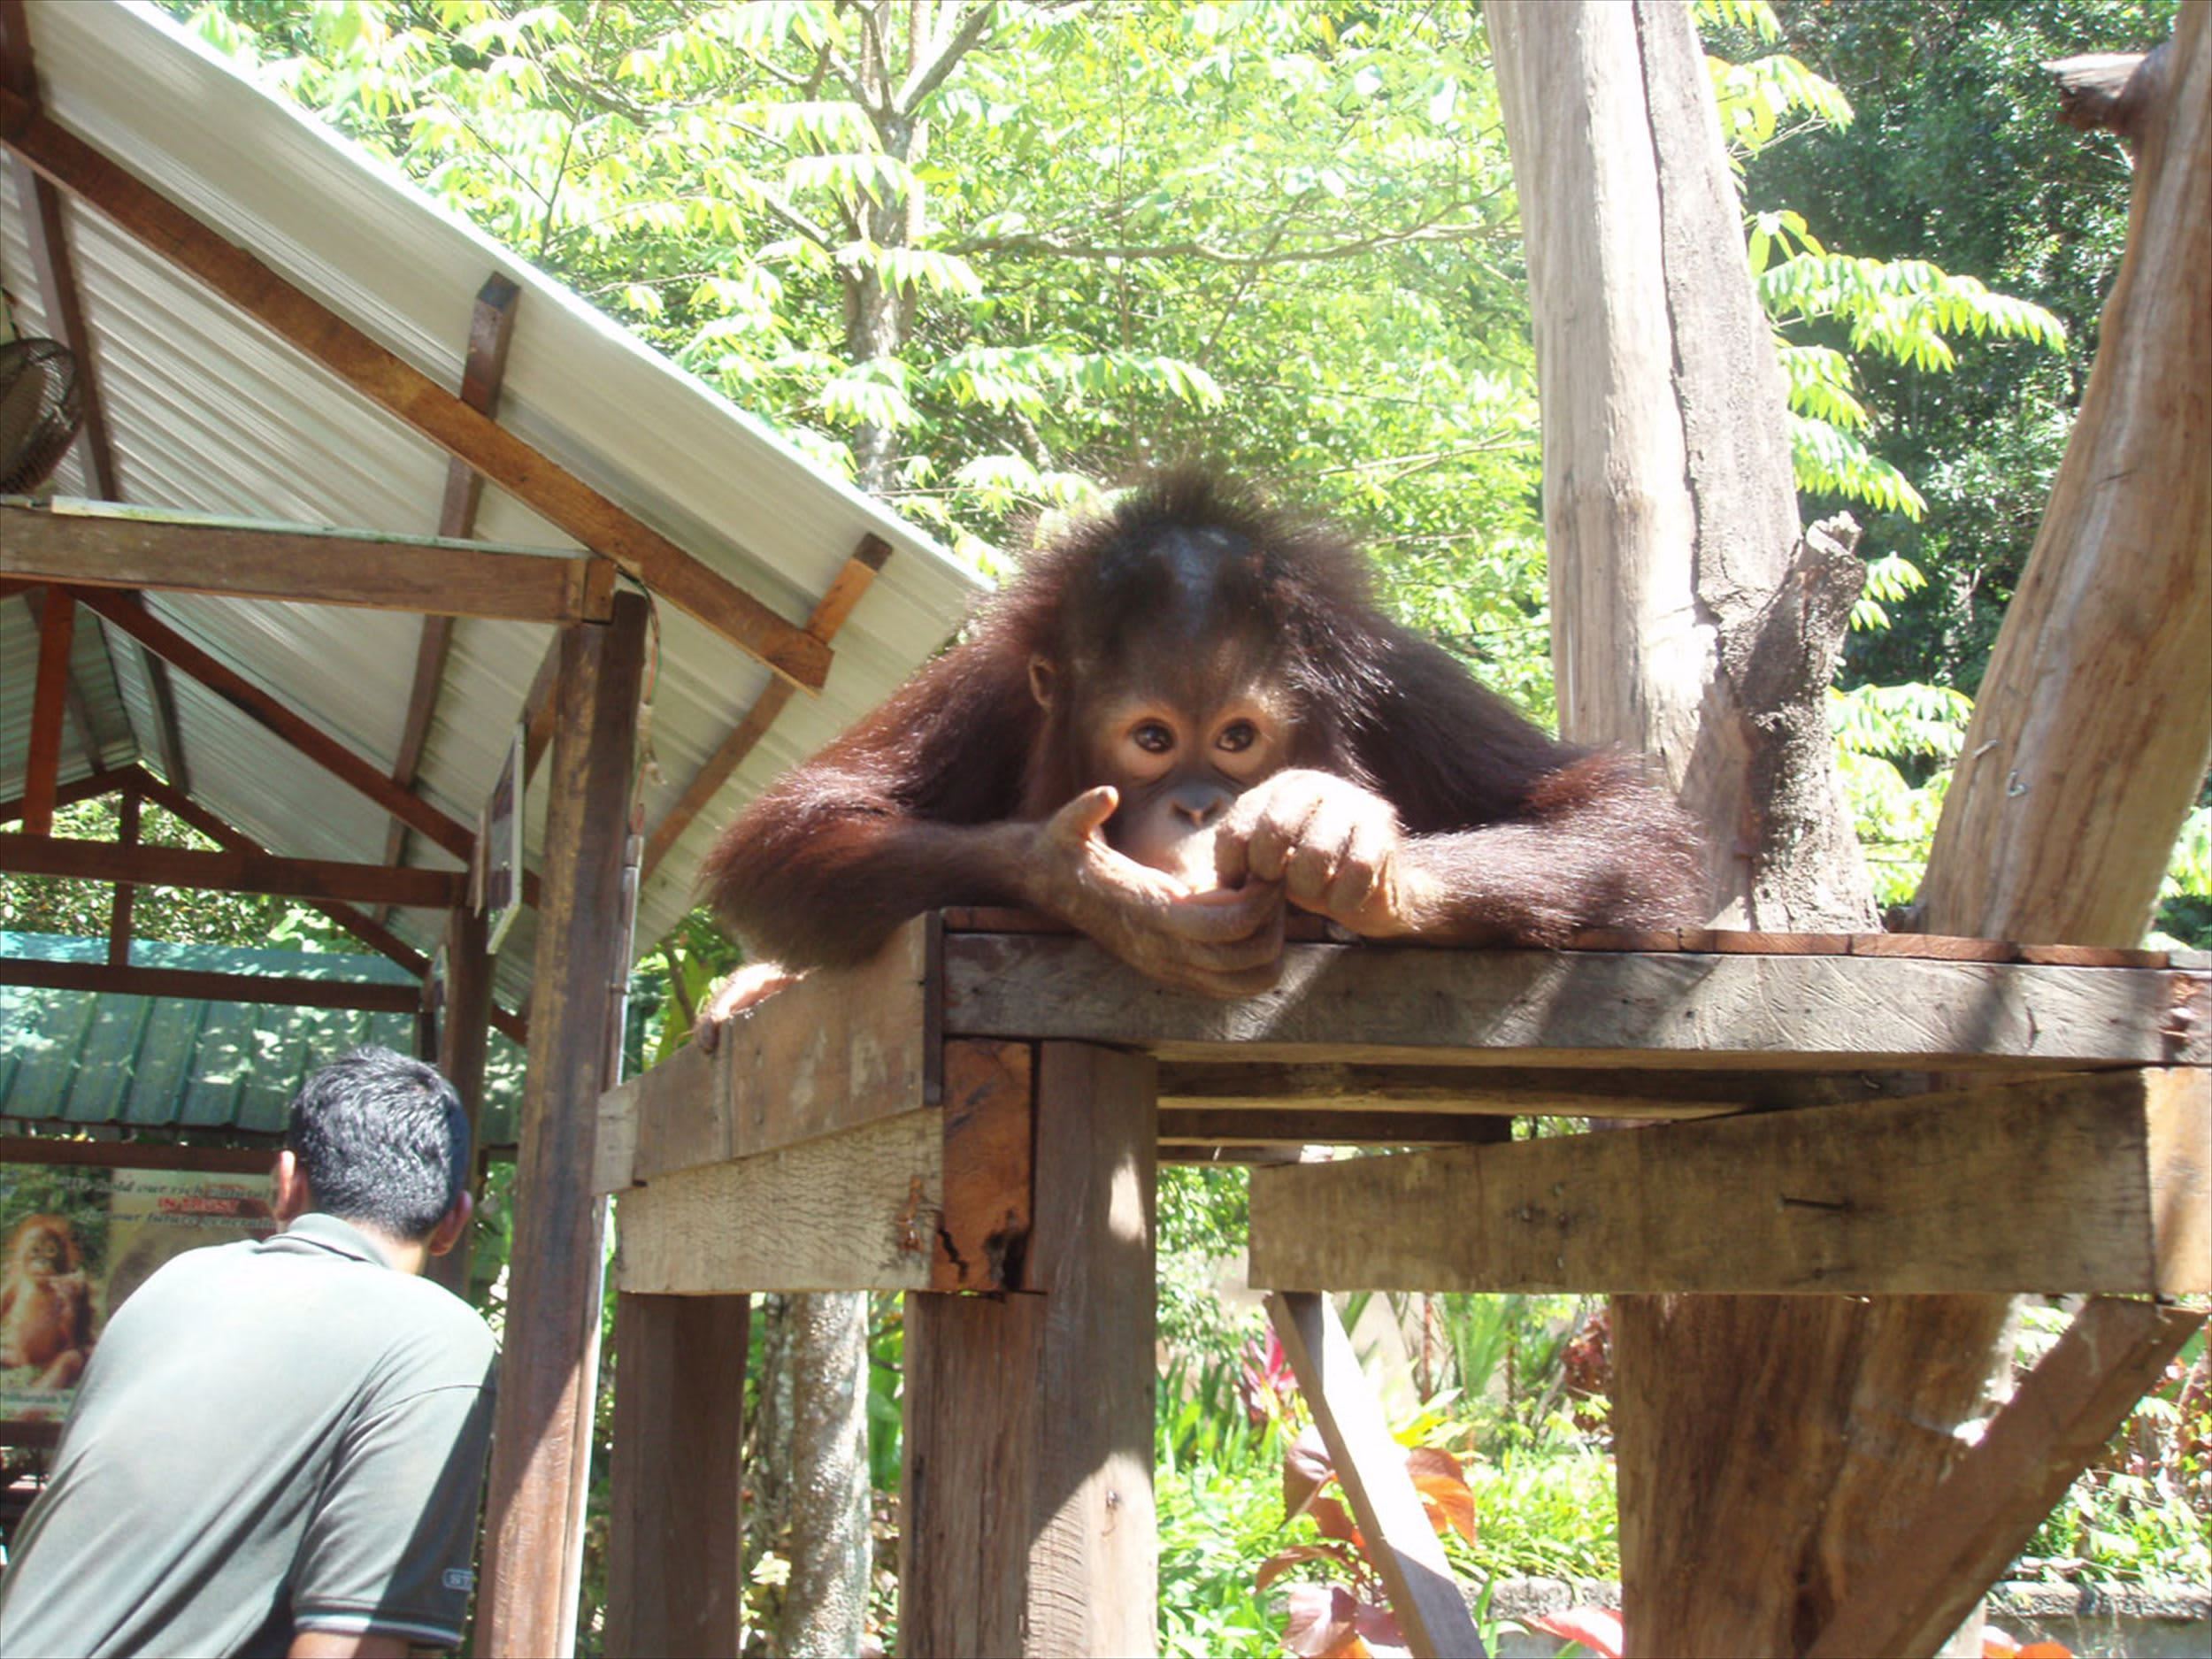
1029	1526
464	1037
675	1579
553	1307
50	701
119	911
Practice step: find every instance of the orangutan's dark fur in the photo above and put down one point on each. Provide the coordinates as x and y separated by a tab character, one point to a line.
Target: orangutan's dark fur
823	866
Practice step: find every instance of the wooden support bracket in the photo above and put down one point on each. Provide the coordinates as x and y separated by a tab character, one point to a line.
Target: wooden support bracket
1940	1562
1883	1198
1371	1465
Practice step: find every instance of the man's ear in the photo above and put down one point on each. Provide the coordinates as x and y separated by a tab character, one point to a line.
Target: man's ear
288	1195
454	1228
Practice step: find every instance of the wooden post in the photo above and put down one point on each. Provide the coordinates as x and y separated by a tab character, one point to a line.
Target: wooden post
538	1450
119	911
49	699
1029	1525
464	1036
675	1581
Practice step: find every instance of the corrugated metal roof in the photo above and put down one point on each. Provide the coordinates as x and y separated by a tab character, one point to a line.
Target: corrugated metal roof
76	1058
210	413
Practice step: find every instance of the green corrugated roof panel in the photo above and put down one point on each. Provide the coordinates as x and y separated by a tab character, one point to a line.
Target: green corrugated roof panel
82	1058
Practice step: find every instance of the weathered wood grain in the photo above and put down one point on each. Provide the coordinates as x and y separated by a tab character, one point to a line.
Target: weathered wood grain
989	1120
1890	1197
229	871
1371	1004
1264	1128
834	1051
533	1509
113	546
1986	1510
675	1576
1027	1508
853	1212
1228	1082
1371	1466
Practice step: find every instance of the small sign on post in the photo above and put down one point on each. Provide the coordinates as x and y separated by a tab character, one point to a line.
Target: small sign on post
499	849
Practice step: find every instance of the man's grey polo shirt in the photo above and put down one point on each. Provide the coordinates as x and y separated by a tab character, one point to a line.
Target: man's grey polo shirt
269	1437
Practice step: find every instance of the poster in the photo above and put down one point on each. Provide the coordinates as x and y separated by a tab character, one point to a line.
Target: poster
77	1240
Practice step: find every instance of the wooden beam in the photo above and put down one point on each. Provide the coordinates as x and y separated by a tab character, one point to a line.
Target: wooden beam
50	701
675	1577
829	615
258	989
229	873
1368	1004
88	788
80	710
538	710
530	476
464	1037
1262	1128
1226	1085
1371	1466
832	1052
357	923
119	908
1886	1198
1027	1516
491	330
127	612
1938	1563
90	545
540	1442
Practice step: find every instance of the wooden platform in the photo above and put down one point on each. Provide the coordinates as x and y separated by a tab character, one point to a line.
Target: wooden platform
854	1131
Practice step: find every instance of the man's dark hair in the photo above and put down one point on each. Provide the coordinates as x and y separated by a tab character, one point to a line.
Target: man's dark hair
381	1140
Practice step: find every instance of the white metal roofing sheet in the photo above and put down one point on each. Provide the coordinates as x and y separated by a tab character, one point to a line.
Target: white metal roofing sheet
210	412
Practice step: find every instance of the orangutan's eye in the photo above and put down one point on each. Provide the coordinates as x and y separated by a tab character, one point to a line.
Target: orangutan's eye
1238	737
1153	738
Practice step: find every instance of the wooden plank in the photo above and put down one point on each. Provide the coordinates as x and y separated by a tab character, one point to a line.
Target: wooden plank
264	990
50	701
463	1045
127	612
1890	1197
855	1211
540	1443
79	709
491	331
1329	1128
1360	1003
228	873
675	1579
832	1052
1227	1084
532	477
131	547
1940	1562
829	615
1027	1505
990	1150
1371	1466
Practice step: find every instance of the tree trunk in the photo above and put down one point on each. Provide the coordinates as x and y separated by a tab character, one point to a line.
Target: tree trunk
1769	1446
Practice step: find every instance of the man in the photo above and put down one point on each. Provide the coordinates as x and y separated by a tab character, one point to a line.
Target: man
277	1448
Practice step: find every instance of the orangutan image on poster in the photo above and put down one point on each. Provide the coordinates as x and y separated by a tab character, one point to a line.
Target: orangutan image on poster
78	1238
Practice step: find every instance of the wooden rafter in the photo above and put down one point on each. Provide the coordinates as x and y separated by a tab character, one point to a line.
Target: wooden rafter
230	872
491	329
134	549
80	710
50	702
396	386
358	923
106	782
126	892
127	612
829	615
272	990
55	266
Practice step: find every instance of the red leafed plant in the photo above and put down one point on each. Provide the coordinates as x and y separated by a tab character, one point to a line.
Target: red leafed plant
1334	1621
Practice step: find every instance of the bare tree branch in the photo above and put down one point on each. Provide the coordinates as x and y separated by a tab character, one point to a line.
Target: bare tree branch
924	79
